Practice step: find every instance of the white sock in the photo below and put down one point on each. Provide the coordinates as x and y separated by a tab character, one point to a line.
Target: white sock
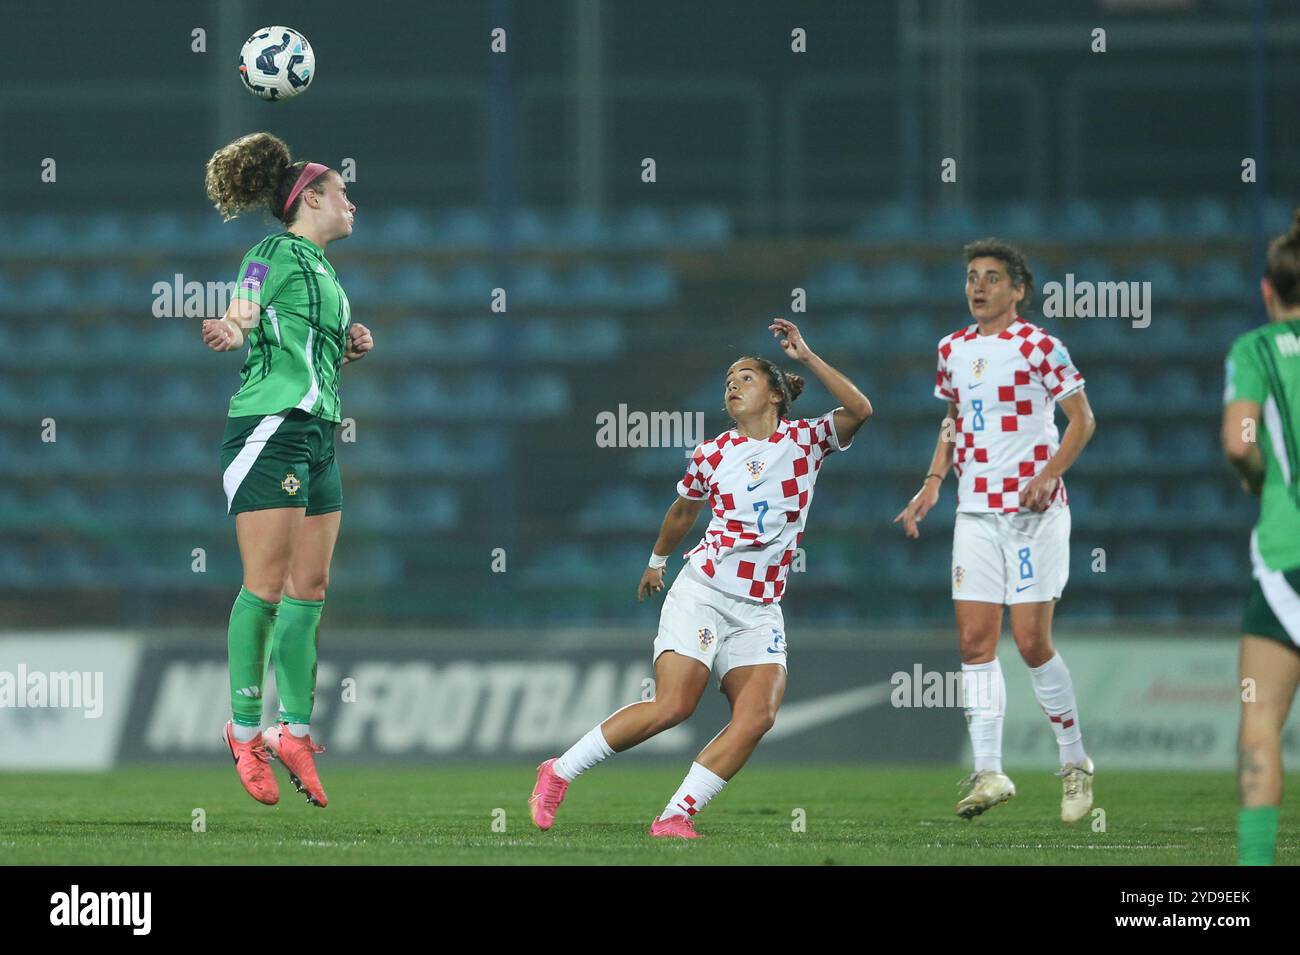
1055	692
244	734
583	755
699	786
299	729
984	696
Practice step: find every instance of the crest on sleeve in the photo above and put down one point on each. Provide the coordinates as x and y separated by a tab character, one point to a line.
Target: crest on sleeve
253	277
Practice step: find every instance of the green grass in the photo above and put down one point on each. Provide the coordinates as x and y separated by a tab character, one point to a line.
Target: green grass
444	815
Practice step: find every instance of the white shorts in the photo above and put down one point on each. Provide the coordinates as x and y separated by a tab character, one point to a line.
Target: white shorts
720	630
1011	558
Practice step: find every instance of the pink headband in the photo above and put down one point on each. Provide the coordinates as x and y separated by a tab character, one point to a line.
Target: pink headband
309	172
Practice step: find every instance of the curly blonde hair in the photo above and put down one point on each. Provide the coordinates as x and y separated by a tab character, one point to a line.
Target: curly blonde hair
254	171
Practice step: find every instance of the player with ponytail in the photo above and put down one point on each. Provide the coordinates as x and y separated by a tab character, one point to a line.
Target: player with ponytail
723	612
278	467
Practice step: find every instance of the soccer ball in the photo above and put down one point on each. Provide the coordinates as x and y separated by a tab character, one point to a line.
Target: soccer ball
277	63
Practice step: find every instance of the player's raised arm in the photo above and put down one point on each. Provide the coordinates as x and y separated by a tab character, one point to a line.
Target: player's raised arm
679	520
855	408
940	463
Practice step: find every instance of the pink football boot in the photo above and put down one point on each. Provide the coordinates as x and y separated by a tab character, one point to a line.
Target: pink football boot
547	795
253	764
298	755
678	826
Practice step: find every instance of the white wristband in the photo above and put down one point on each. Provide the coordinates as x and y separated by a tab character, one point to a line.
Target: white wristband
657	562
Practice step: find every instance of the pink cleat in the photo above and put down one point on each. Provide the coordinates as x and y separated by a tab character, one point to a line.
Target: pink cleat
678	826
547	795
253	764
298	755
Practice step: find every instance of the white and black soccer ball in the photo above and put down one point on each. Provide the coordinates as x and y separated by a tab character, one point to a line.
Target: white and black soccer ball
277	63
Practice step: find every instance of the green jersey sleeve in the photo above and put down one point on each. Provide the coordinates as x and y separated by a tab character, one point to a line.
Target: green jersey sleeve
1245	379
260	278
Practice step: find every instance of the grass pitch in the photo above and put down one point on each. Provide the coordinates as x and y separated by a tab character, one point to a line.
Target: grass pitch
455	814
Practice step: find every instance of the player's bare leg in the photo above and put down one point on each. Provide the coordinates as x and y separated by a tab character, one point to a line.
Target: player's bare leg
1273	672
296	635
755	693
1031	624
979	624
266	540
680	682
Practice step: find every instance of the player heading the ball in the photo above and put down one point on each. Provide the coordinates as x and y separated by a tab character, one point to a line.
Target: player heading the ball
278	467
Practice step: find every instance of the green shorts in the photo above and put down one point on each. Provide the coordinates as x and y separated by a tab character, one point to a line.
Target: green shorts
280	460
1273	607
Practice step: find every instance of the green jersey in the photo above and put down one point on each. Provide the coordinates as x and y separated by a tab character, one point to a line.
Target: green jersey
296	350
1264	366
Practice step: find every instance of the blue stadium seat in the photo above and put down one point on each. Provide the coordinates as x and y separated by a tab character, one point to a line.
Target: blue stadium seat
467	285
1173	389
894	220
115	288
422	392
897	282
1217	278
462	229
620	506
47	288
1018	220
648	286
102	232
535	286
954	221
163	231
837	283
1209	218
433	509
585	229
641	227
1142	218
44	235
702	226
1161	273
1081	219
412	285
402	228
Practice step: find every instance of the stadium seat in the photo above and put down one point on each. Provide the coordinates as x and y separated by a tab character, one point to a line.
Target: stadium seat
894	220
702	226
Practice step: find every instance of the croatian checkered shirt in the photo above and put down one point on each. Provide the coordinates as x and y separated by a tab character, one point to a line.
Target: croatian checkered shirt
1005	387
760	492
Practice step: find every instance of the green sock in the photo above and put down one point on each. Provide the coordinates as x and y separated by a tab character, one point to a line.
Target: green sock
296	629
1256	835
248	642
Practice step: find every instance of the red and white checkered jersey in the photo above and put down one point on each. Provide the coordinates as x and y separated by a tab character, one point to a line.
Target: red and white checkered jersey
1006	387
760	492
